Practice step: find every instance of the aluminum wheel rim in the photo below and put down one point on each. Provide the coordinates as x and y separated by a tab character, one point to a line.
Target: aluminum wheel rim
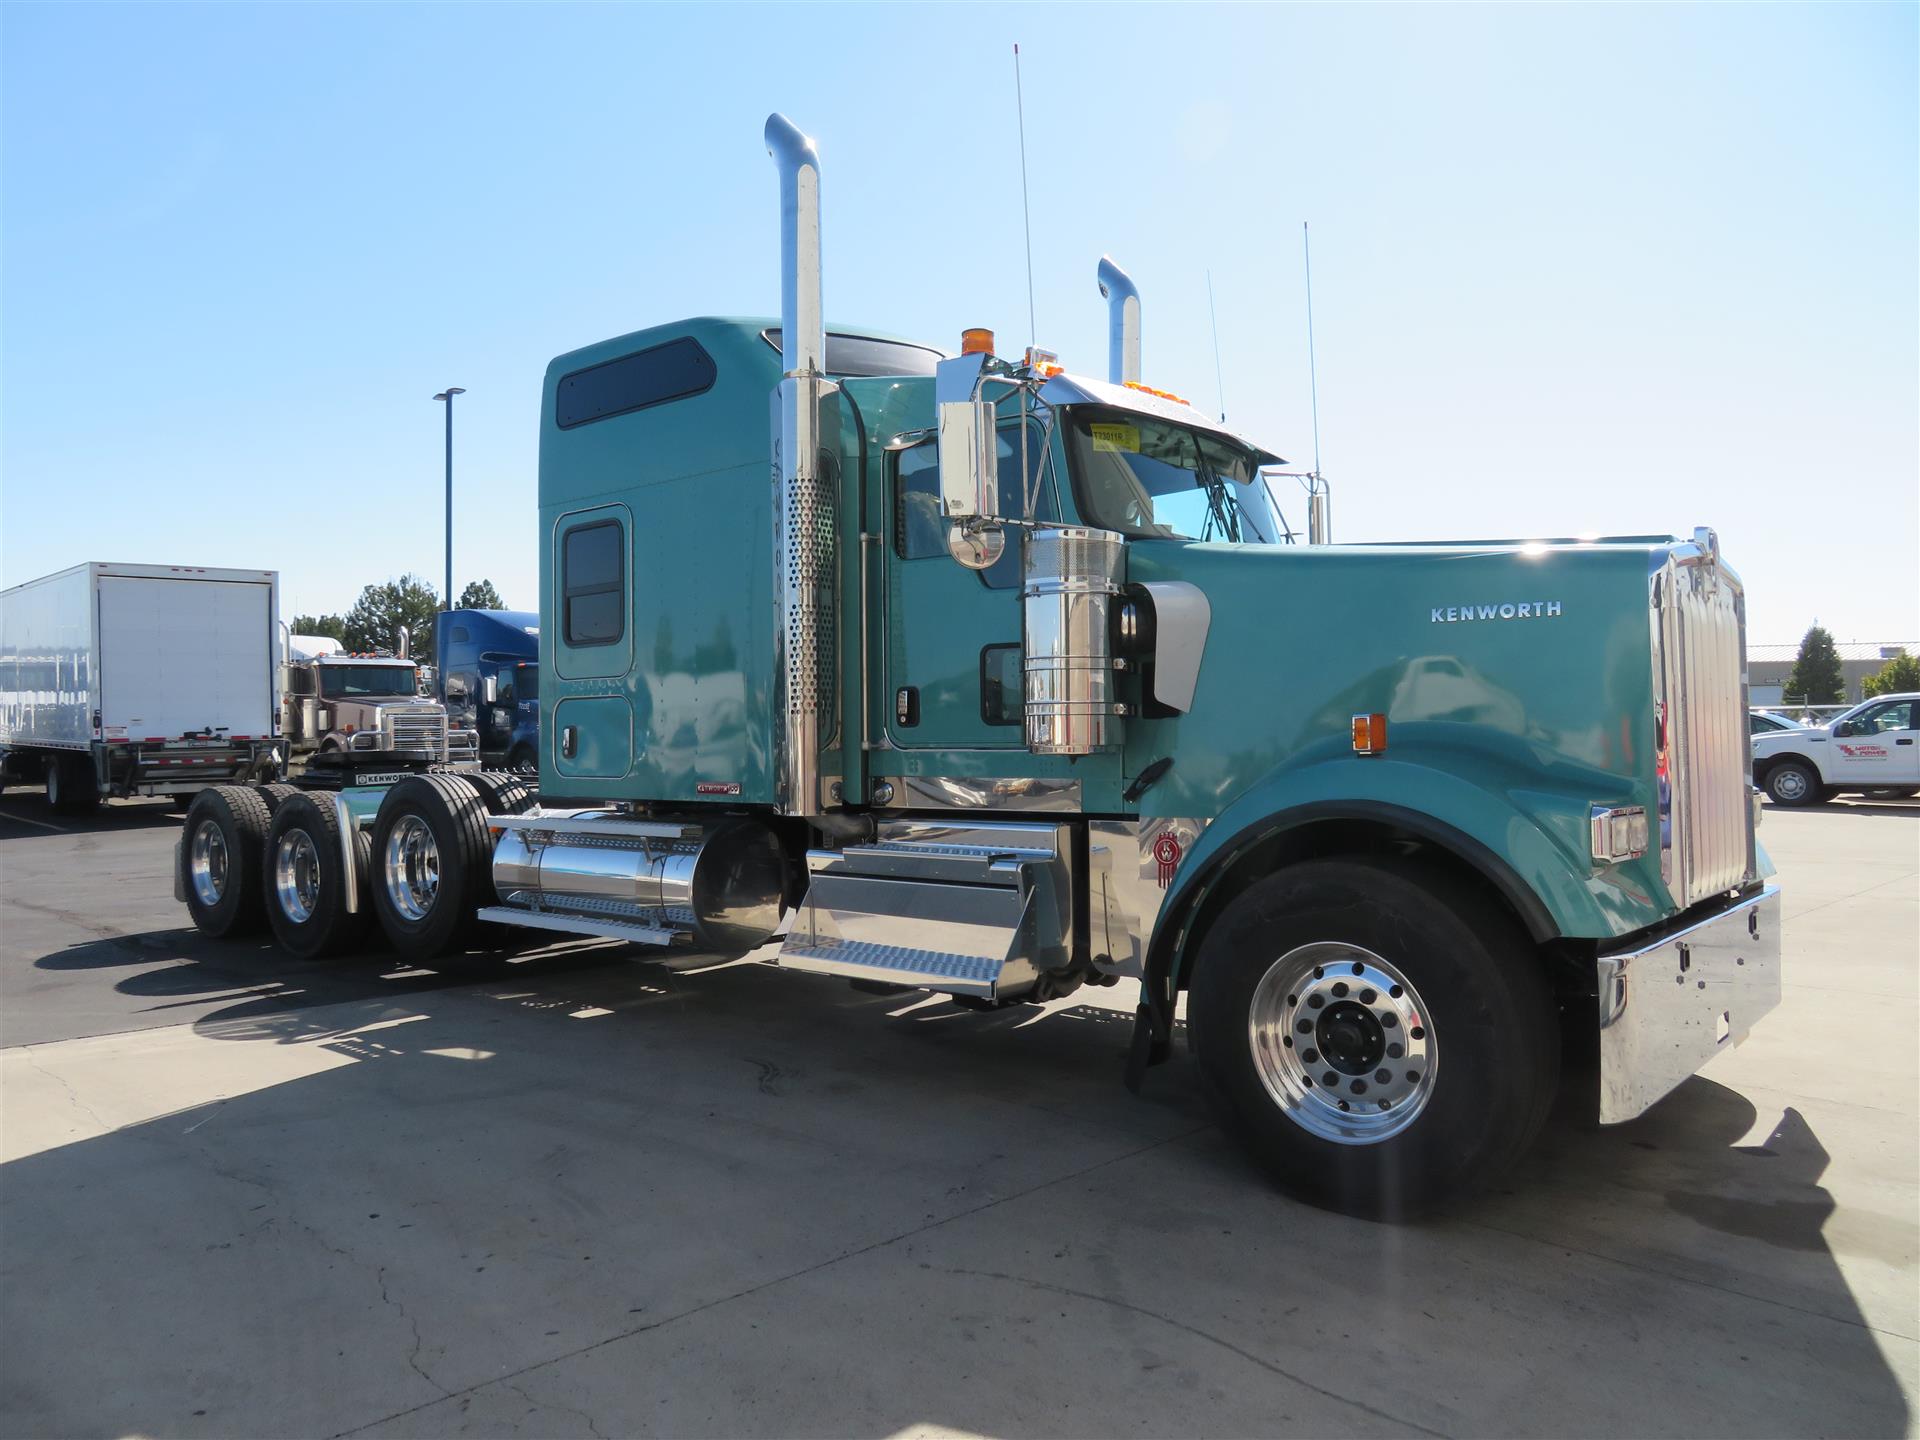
1789	784
208	862
412	867
296	875
1342	1043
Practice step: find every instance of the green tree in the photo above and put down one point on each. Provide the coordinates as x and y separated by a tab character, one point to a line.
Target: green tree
331	625
1816	678
1898	676
480	595
375	620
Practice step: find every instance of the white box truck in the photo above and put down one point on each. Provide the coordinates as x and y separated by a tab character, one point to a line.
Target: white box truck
139	680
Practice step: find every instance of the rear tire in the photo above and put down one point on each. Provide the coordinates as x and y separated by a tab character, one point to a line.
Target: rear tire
1794	783
431	868
500	792
1438	1008
221	843
304	880
71	786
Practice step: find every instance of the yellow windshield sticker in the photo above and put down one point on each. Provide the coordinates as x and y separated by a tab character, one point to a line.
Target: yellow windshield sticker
1116	439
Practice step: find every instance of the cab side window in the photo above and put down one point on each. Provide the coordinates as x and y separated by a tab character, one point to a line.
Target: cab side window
1898	716
593	577
918	530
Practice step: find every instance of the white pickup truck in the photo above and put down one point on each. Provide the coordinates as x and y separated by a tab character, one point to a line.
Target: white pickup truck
1874	749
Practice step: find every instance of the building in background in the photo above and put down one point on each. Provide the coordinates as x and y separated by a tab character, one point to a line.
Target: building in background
1769	665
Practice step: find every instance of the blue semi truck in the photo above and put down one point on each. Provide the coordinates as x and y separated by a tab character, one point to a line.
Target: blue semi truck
488	668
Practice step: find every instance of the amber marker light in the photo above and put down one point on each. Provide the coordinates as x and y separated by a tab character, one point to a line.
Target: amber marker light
1369	734
976	341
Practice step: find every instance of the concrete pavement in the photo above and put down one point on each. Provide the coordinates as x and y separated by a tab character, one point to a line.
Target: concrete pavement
582	1195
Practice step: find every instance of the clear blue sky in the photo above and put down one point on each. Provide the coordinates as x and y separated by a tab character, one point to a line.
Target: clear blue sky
1576	270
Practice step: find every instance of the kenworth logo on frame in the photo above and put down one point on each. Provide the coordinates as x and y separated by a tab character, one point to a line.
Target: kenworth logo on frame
1512	610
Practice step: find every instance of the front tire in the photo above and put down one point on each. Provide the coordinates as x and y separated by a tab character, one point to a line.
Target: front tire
226	828
1794	783
1381	1050
305	880
431	864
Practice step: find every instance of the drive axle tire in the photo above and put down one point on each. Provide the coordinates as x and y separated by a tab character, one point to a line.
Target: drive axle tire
502	793
225	831
1795	782
431	867
305	880
1382	1050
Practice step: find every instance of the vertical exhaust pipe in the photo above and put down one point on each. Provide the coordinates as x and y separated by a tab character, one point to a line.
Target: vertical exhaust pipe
802	327
1123	322
805	551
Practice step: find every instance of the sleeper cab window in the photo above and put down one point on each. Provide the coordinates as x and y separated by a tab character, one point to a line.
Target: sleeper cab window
672	371
593	583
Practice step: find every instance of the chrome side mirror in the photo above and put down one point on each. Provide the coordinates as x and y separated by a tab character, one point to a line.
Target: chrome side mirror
490	688
969	450
969	461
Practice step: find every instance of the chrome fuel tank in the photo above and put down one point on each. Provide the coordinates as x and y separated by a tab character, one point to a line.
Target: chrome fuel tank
724	884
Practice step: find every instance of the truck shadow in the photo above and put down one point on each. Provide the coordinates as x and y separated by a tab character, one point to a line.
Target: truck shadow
378	1204
22	812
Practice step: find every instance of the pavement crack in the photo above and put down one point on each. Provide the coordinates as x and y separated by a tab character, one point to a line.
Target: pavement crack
413	1354
556	1405
1198	1334
73	1096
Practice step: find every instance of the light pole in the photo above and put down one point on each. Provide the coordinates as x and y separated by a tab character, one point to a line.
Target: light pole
446	599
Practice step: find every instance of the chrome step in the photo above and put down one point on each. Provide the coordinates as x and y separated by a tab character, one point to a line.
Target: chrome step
977	910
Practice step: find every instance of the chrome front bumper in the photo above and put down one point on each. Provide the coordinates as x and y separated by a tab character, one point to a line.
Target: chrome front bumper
1668	1008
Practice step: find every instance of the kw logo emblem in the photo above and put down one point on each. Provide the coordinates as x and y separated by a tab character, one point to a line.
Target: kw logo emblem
1166	851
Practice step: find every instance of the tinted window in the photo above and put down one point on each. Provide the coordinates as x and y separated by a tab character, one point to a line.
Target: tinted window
857	355
918	531
592	584
671	371
347	682
1002	687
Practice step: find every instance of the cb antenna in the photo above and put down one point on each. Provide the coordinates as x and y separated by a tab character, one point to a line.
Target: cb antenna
1313	379
1219	385
1026	215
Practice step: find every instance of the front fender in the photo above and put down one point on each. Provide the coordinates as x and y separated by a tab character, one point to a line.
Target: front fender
1529	839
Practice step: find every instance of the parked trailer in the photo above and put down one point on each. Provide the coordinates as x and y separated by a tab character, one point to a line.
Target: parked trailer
138	680
1394	819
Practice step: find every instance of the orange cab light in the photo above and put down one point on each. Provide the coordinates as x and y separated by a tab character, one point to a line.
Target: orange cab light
1149	390
976	341
1369	734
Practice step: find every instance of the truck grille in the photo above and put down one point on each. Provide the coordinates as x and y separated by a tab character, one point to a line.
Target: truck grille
416	729
1700	692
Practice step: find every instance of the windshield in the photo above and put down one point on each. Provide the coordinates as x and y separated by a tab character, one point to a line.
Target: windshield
350	682
1149	477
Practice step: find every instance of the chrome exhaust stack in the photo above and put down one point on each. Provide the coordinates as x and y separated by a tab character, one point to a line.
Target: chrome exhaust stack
806	559
1123	322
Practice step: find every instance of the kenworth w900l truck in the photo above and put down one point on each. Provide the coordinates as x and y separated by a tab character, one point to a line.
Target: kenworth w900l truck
979	676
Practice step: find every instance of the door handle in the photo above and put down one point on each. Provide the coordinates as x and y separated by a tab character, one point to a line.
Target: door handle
569	741
1905	740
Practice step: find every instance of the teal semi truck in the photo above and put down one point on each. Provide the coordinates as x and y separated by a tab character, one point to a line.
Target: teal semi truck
971	674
